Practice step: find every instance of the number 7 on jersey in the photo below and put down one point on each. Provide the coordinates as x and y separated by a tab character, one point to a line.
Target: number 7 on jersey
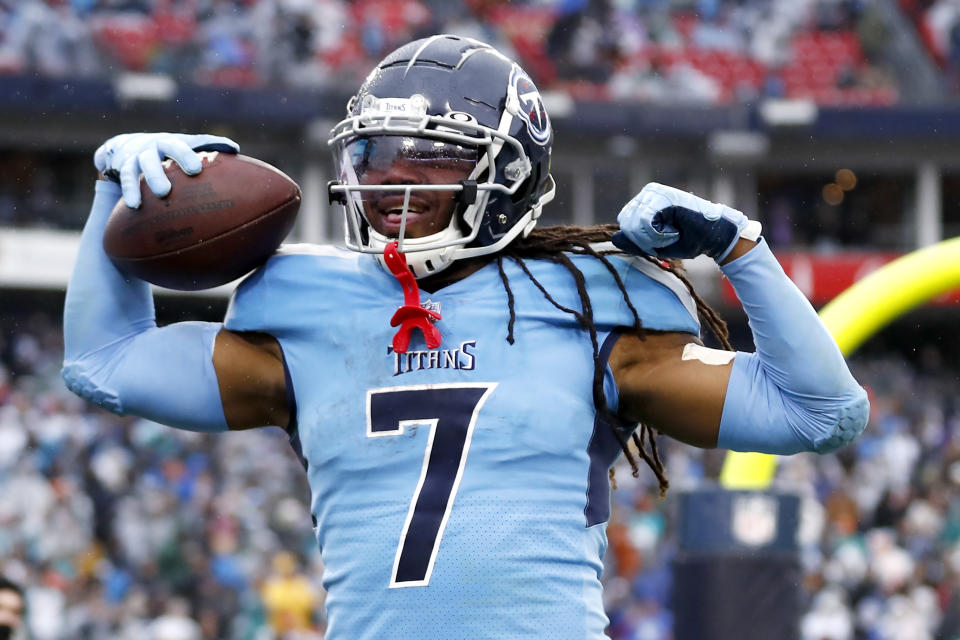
450	411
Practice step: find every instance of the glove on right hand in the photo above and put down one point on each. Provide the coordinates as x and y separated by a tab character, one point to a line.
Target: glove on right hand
124	157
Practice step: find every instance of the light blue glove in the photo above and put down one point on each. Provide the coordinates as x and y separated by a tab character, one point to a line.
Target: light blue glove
124	157
666	222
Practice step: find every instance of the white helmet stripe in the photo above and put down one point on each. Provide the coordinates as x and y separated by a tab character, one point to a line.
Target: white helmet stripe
416	55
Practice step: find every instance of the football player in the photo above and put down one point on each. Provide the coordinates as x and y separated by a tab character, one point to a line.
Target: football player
458	460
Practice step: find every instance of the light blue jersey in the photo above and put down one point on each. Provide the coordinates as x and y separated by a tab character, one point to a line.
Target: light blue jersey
460	492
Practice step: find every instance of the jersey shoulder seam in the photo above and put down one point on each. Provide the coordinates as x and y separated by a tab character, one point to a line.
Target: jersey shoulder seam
655	273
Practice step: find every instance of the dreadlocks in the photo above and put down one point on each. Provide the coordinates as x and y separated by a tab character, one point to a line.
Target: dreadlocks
553	244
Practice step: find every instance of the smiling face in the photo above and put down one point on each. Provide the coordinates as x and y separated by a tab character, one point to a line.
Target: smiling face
403	160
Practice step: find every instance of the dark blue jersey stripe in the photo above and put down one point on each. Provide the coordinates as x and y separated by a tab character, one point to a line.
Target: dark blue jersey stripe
604	448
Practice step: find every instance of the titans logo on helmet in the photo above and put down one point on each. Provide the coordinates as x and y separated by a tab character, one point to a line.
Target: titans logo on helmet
530	105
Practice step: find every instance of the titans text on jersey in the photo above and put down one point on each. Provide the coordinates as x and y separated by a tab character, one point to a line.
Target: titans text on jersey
461	358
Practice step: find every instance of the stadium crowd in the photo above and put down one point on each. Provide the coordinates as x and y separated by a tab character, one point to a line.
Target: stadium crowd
660	51
121	528
126	529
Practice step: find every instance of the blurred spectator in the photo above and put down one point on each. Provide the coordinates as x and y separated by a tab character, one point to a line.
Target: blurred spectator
829	619
582	42
289	597
175	623
11	608
45	37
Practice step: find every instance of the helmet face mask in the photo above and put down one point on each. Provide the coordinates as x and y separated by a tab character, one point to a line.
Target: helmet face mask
403	161
469	117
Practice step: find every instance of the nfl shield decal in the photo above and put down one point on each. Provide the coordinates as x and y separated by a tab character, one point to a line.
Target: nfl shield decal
754	520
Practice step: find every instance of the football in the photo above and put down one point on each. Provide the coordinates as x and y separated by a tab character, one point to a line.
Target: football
211	229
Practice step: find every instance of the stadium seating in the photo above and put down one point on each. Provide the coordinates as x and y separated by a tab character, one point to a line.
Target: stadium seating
825	65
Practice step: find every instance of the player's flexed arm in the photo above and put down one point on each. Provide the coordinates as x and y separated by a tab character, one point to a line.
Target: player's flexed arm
794	394
116	356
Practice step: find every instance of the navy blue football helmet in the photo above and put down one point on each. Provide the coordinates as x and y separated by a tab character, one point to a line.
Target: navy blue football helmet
453	102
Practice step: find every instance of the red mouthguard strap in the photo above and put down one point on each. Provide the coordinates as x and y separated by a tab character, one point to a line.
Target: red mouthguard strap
411	315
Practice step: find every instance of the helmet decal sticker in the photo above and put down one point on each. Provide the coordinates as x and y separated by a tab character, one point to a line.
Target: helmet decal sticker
530	107
415	106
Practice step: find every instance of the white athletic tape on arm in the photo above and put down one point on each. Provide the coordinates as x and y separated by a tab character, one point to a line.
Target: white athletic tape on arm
694	351
752	231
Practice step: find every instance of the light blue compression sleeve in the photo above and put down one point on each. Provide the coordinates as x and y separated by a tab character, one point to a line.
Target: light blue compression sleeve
795	393
114	353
